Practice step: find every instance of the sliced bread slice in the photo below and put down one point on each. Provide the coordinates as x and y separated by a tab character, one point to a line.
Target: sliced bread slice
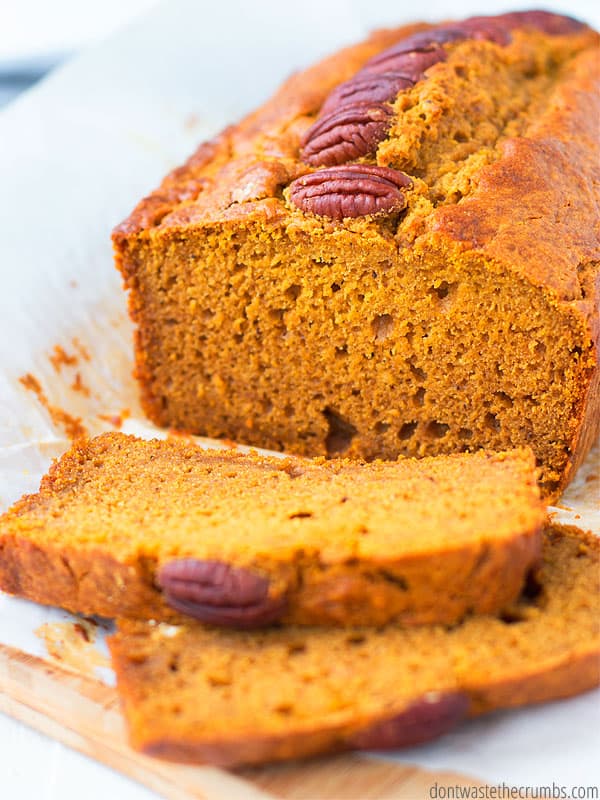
194	693
152	529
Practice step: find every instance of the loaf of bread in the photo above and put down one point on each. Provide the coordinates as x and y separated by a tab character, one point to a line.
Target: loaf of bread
192	693
397	254
126	527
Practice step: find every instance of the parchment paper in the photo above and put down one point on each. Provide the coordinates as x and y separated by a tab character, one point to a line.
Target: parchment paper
76	153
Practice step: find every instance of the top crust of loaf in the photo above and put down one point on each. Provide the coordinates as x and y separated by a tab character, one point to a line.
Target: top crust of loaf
544	176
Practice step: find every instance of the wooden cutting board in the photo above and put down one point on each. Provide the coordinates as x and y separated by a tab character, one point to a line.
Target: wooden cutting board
84	714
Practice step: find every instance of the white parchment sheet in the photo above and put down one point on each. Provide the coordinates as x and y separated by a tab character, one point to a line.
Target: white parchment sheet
76	153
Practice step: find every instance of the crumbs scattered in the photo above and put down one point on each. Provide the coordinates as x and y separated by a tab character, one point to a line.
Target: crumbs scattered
81	349
116	420
113	419
82	631
175	433
60	358
73	644
72	426
79	386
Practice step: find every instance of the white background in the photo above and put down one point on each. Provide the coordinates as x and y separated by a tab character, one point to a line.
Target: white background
286	37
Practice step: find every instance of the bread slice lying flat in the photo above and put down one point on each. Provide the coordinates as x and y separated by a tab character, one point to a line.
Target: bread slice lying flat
153	529
194	693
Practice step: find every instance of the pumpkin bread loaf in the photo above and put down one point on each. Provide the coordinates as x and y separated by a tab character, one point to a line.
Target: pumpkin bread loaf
194	693
397	254
127	527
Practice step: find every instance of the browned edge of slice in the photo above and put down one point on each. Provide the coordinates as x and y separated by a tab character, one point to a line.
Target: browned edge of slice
556	675
475	577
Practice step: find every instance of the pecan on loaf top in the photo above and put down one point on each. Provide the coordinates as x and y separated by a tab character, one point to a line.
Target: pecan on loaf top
471	128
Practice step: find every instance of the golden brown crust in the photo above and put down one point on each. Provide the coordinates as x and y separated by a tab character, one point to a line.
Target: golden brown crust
95	531
558	150
571	677
552	166
84	582
518	203
301	94
579	674
548	651
93	582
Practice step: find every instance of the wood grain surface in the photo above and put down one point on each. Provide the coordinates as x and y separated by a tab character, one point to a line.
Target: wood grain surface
84	714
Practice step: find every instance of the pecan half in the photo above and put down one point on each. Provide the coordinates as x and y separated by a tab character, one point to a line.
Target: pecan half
433	715
421	42
354	190
366	88
488	28
545	21
355	117
411	65
432	41
346	133
218	593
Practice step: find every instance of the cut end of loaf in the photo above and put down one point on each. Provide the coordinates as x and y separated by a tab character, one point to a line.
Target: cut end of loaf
466	321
